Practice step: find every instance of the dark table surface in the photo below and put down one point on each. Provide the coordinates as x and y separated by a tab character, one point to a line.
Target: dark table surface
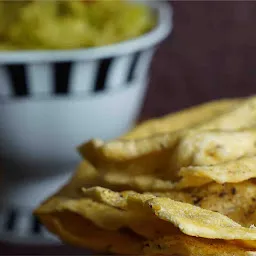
210	54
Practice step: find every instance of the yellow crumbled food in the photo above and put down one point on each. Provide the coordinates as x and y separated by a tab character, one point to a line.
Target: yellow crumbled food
70	24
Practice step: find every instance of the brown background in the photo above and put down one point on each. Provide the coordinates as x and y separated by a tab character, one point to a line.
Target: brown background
210	54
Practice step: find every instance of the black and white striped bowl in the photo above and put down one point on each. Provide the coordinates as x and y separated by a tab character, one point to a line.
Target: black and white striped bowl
51	101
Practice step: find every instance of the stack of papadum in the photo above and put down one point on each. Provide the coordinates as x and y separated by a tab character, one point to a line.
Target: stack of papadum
184	184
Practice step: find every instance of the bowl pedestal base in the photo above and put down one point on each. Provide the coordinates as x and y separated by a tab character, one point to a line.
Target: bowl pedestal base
18	198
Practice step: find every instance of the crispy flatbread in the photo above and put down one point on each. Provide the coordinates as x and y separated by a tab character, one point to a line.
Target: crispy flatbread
182	245
235	200
240	117
233	171
185	118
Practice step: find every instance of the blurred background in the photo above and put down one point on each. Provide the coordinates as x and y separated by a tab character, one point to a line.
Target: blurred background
210	54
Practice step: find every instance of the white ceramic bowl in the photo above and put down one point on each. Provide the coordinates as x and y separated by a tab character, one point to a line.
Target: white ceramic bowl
51	101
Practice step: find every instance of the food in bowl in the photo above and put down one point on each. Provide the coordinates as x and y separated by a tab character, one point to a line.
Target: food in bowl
166	189
71	24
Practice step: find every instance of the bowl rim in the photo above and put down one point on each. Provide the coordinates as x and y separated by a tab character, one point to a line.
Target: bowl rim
147	40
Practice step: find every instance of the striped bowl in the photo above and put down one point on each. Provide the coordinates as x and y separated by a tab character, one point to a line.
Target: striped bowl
51	101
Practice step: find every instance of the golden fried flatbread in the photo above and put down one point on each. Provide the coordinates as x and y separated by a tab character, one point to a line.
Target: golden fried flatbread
122	181
84	176
242	116
148	216
196	171
235	200
186	217
158	171
186	118
212	147
182	245
107	217
195	221
229	172
102	215
76	230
